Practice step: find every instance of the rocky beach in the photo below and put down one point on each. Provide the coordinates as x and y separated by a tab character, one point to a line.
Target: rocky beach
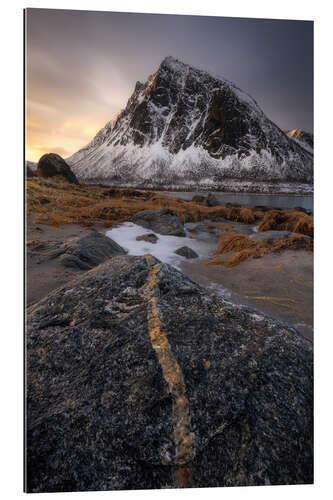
164	339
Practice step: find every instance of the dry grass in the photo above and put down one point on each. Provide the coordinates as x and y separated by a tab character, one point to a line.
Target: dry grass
245	215
297	222
247	248
56	202
234	242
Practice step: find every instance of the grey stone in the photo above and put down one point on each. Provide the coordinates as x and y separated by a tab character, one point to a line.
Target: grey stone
163	221
69	260
103	408
51	164
150	237
187	252
212	201
92	249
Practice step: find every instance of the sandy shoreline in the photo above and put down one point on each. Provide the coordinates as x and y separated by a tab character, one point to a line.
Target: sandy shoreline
280	285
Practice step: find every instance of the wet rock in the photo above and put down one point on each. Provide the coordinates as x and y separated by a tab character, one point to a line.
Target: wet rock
204	228
162	221
187	252
92	249
150	237
139	378
212	201
69	260
51	164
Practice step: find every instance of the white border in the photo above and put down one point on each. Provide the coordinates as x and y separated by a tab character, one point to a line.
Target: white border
12	207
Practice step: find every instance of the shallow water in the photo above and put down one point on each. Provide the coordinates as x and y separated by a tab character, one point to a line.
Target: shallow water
252	199
164	249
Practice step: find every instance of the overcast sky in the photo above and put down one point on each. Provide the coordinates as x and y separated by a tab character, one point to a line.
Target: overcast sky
82	67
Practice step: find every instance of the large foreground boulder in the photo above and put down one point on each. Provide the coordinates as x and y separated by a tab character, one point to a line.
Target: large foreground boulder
139	378
51	164
162	221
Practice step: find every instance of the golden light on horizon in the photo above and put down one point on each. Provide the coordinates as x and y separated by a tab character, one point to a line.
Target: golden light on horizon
65	139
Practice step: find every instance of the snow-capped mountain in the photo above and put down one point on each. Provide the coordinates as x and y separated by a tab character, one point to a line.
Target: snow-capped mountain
303	138
184	127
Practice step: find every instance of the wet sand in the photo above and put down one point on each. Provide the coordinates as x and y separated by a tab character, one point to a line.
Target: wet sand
280	285
42	273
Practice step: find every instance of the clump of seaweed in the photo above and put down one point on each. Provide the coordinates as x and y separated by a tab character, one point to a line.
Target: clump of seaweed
247	248
297	222
246	215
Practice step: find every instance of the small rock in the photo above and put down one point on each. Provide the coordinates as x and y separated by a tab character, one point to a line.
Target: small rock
187	252
212	201
162	221
150	237
69	260
92	249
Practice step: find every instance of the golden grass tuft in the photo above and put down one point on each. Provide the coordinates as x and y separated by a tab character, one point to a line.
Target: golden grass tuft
297	222
247	248
233	242
246	215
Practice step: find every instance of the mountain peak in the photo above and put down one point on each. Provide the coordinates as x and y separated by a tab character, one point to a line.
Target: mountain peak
173	63
184	126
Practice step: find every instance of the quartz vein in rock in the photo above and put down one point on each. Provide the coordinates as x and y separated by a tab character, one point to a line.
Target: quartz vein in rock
184	438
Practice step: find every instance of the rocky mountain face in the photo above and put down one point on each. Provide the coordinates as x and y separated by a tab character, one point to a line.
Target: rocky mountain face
186	127
303	138
139	378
